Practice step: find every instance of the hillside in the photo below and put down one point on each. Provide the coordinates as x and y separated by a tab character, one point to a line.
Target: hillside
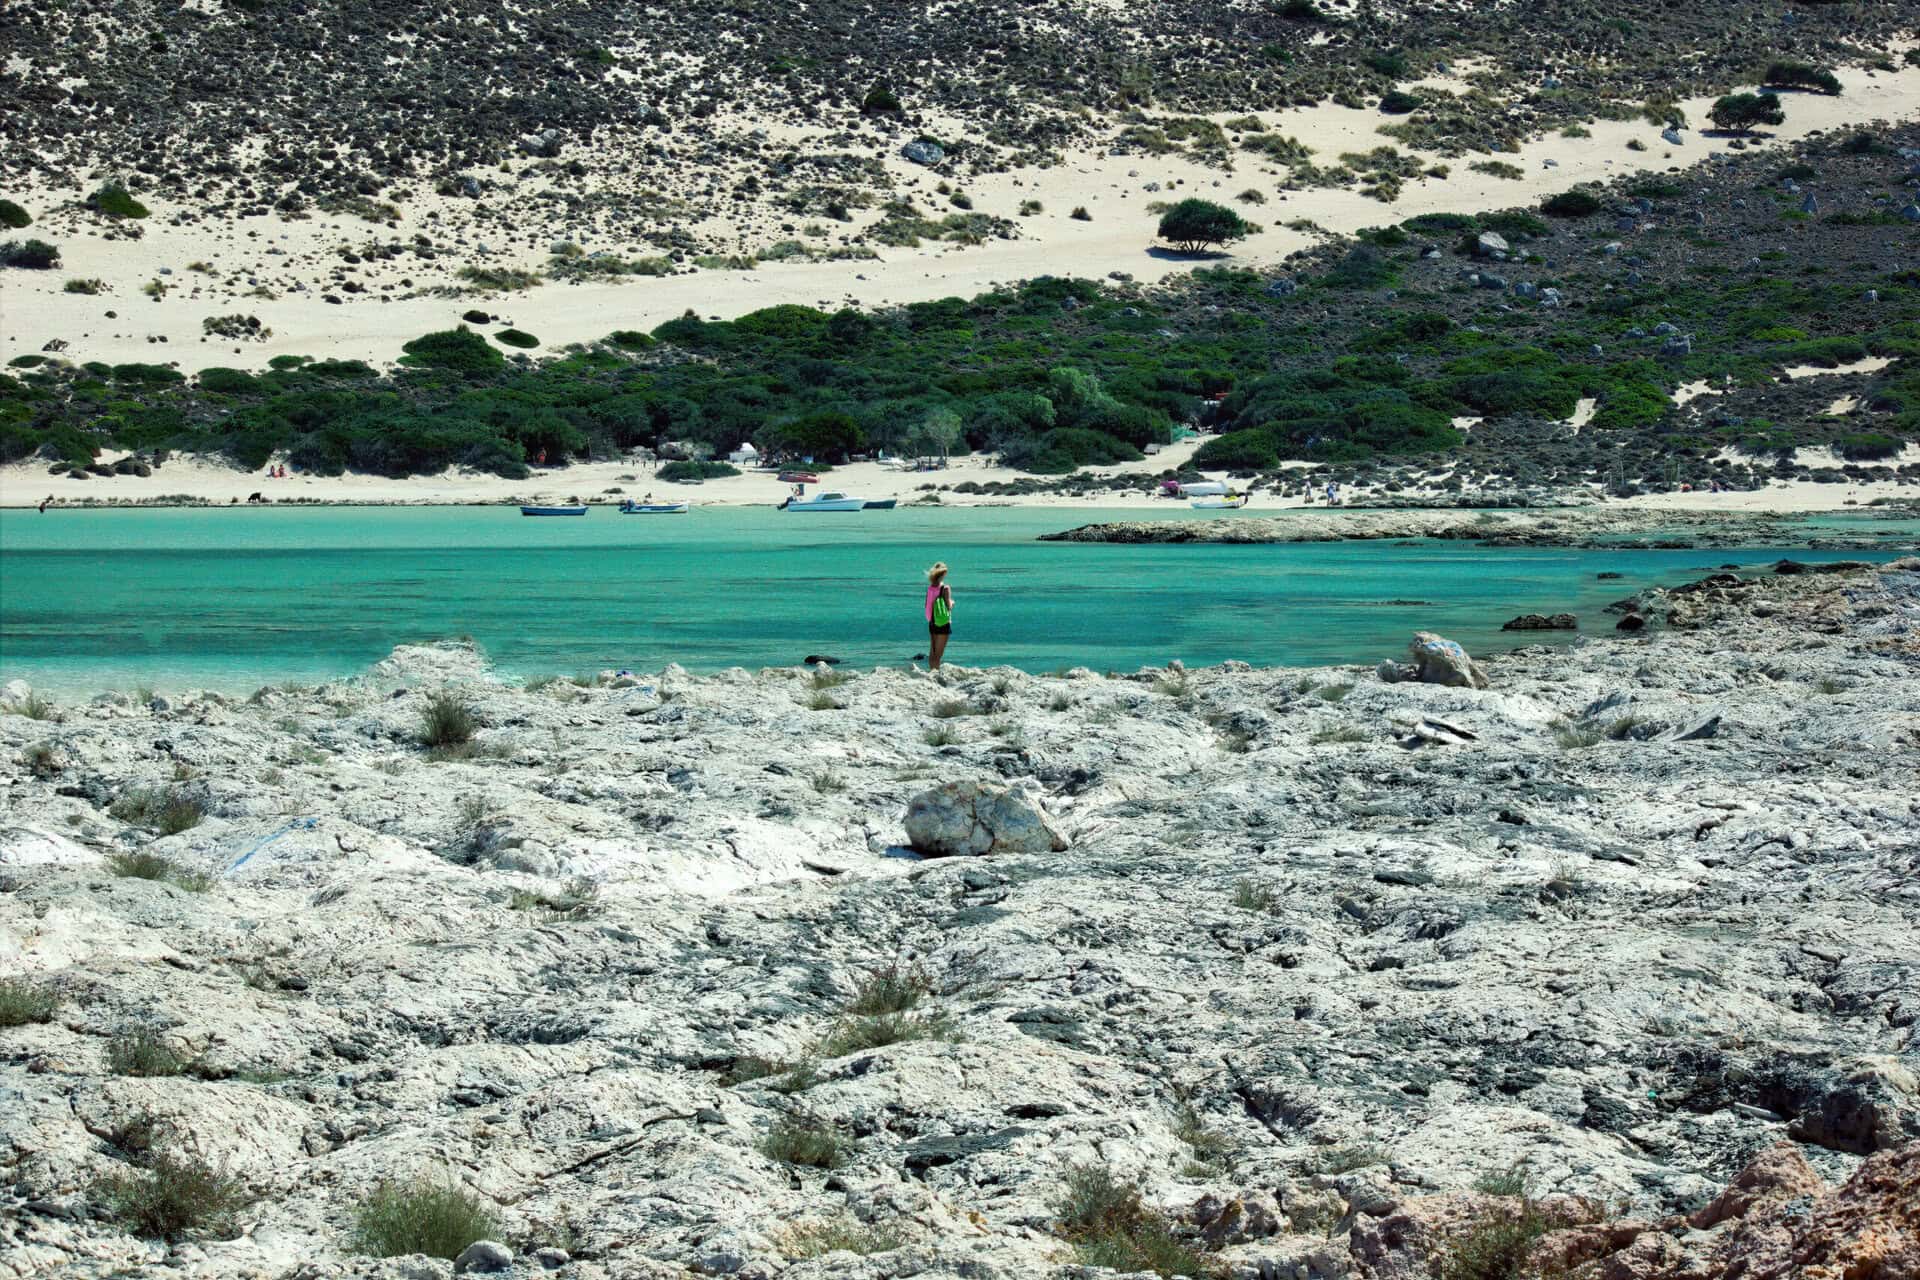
1655	330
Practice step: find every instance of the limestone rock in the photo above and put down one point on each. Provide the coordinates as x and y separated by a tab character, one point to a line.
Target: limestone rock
1437	660
962	818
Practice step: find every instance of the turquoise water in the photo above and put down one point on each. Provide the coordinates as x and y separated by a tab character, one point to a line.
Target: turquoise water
236	598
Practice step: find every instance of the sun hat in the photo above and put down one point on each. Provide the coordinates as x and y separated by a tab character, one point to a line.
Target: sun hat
939	567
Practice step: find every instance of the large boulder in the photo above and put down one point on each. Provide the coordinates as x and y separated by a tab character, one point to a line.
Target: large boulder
1543	622
973	818
1435	660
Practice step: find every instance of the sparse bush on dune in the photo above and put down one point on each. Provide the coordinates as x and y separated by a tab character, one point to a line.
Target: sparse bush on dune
12	216
30	255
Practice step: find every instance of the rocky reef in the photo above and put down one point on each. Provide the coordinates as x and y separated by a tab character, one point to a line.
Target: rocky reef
1589	527
1303	973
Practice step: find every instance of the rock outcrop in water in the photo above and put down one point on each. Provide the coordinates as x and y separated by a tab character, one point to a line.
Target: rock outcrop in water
1590	527
646	969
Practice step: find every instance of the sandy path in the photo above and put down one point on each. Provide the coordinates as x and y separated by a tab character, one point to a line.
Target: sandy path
1118	238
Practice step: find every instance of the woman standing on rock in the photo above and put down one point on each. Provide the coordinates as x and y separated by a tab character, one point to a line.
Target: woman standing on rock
939	614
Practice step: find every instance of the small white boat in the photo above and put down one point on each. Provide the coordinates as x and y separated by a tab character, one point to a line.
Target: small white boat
1225	502
831	500
653	508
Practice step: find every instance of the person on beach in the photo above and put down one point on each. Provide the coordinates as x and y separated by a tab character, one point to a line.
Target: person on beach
939	614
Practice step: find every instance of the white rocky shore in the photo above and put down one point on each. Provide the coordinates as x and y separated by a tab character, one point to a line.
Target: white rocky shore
1319	947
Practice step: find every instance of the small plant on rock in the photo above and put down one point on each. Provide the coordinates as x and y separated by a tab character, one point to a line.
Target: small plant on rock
1251	895
447	721
810	1143
805	1240
877	1031
426	1216
170	1195
22	1002
146	1054
821	700
894	988
1109	1225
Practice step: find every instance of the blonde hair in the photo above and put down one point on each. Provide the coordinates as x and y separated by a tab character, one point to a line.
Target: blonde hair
938	571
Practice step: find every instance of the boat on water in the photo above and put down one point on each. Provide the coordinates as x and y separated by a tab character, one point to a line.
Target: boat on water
881	504
830	500
1223	502
653	508
553	511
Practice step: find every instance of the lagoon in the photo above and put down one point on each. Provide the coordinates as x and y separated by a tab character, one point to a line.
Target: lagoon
234	598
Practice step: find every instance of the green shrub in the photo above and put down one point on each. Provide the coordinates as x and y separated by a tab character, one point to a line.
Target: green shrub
12	216
880	100
146	1054
114	200
630	339
516	338
1800	75
681	472
806	1142
1109	1225
1396	102
31	255
33	707
1571	204
857	1035
447	721
804	1240
1193	225
171	1196
457	350
22	1002
439	1219
167	810
892	989
1740	112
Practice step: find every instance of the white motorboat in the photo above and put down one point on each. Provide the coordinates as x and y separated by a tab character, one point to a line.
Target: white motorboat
829	500
1225	502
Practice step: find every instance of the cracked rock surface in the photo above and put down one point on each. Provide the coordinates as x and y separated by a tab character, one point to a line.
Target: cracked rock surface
1647	907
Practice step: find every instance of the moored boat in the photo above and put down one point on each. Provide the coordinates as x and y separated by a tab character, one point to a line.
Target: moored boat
553	511
1225	502
881	504
831	500
653	508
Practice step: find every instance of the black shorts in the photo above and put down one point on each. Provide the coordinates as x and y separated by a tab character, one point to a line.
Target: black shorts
944	629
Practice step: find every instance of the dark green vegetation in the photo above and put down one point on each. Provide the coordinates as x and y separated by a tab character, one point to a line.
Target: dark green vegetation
438	1219
1740	112
1058	374
12	216
1799	75
115	201
31	255
1110	1225
1193	225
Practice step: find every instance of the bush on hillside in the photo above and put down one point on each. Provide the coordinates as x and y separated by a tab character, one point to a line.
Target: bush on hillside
12	216
115	201
1800	75
1571	204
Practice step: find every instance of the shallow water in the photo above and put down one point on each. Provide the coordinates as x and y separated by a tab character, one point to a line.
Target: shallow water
235	598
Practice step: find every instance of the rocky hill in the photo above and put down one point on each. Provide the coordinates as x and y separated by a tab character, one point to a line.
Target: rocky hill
1263	972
